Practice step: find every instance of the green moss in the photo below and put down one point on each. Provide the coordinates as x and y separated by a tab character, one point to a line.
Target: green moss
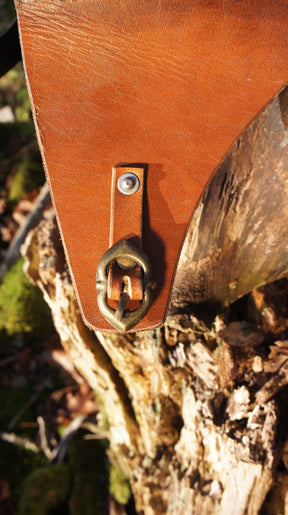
22	307
89	466
119	485
15	464
19	151
103	412
22	108
27	178
14	93
45	489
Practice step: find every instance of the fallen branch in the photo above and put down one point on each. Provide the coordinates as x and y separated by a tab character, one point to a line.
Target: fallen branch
43	438
20	442
34	217
58	453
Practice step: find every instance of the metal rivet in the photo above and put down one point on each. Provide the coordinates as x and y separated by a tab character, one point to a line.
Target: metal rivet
128	183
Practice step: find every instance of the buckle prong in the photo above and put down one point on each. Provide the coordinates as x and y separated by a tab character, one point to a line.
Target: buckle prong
121	305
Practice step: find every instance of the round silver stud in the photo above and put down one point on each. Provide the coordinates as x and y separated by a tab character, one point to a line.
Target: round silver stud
128	183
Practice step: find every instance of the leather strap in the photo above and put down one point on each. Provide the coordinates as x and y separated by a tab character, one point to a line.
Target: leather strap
126	223
126	209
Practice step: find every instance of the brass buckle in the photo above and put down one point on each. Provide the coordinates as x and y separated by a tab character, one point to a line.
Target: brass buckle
120	318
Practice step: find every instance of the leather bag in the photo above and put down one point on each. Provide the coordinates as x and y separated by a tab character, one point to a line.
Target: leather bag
155	89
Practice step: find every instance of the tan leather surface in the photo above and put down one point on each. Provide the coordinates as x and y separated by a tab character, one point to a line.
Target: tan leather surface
133	280
126	223
169	84
126	210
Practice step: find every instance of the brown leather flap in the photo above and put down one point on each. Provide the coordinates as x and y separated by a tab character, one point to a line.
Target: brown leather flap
163	84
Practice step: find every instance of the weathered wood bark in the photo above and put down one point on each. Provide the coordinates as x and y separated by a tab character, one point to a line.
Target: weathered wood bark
237	239
195	412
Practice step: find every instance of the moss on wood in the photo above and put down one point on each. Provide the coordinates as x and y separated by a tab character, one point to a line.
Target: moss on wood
22	308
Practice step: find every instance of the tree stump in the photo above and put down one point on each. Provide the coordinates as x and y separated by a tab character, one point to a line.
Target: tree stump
197	410
237	239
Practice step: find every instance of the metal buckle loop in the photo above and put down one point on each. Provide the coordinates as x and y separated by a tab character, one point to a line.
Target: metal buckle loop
120	318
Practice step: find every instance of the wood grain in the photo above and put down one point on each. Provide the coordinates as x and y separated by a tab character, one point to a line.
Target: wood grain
238	237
